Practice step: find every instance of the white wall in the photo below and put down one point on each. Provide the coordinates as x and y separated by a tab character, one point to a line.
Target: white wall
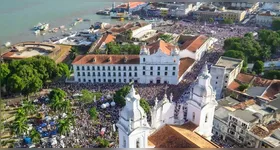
137	31
163	115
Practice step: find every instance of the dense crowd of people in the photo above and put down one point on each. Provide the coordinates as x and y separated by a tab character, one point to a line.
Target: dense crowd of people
86	130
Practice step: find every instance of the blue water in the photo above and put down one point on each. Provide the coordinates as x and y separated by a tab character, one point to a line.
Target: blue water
17	17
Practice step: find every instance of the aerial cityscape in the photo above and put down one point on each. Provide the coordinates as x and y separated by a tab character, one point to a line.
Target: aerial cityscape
140	75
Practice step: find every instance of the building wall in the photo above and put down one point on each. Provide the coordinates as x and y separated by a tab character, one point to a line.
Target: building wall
152	69
235	16
263	20
159	67
163	115
106	73
218	79
199	52
220	128
139	30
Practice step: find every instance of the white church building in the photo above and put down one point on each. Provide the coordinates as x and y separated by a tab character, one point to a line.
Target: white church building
166	131
158	62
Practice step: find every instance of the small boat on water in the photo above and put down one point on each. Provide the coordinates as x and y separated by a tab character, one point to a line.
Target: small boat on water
79	20
103	12
87	20
8	44
62	27
42	27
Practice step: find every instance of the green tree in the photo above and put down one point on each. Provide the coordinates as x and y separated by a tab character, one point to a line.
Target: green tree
19	126
145	105
87	96
166	37
63	70
15	84
93	113
35	136
65	106
28	107
21	113
57	94
228	21
250	35
243	87
103	143
4	72
272	74
55	104
97	95
258	67
73	52
64	126
120	95
211	20
276	24
33	85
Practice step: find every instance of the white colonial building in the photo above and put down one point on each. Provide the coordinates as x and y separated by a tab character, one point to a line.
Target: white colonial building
159	62
135	132
224	72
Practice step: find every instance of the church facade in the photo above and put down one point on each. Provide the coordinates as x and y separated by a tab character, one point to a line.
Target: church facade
135	131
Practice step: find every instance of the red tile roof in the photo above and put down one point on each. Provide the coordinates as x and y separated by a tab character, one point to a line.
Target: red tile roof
233	85
131	4
185	63
166	48
194	43
244	78
264	131
179	137
106	59
273	89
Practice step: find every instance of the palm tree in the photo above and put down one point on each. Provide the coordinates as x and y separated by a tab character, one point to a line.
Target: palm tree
65	106
64	126
71	118
35	136
73	52
55	104
20	113
29	107
20	126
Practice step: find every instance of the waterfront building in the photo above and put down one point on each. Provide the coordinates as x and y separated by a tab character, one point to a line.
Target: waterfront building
223	73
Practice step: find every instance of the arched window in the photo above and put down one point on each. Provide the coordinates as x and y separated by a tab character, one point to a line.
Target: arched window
206	118
138	143
193	116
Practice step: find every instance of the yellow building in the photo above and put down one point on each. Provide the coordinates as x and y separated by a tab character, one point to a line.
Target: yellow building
235	15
